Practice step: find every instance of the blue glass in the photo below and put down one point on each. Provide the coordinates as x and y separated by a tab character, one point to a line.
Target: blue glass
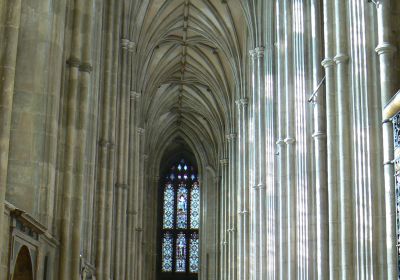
167	252
181	207
195	206
180	253
168	221
194	253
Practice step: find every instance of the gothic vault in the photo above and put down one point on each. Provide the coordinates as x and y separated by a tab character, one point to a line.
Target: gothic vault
287	108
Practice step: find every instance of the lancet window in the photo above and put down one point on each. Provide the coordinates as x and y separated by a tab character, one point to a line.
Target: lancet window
179	236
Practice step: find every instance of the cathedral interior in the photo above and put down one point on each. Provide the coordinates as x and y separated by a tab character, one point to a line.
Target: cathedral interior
199	139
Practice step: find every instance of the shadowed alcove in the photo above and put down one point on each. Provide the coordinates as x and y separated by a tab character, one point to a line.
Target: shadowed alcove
23	267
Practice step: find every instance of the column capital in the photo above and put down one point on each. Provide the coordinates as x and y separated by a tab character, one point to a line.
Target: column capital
319	135
385	48
242	102
135	95
86	67
74	62
140	130
260	51
231	136
131	46
341	58
252	54
280	141
138	229
290	140
328	62
224	161
124	43
261	186
103	143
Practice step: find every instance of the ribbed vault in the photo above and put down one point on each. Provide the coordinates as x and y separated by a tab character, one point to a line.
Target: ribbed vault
189	71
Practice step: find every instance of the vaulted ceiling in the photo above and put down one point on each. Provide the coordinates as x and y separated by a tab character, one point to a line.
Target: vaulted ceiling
189	69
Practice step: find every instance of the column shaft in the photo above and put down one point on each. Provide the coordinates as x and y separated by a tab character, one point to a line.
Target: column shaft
320	150
70	145
282	232
82	128
10	15
291	148
345	158
103	163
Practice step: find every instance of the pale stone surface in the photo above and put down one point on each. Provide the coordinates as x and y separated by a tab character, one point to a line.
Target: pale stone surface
278	102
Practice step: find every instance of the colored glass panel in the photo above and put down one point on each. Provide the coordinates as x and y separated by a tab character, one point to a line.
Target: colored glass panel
167	252
168	221
180	253
194	253
195	206
181	207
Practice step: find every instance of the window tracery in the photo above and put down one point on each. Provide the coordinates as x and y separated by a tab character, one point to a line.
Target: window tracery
180	220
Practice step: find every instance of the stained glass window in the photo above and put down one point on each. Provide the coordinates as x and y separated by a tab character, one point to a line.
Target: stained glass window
167	252
181	207
396	136
195	206
194	253
180	253
168	221
179	237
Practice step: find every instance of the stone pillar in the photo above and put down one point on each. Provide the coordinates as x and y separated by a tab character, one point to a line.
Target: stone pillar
386	50
332	139
85	92
291	219
282	231
70	160
261	163
10	13
243	193
320	150
232	206
121	198
142	158
133	175
114	87
224	219
345	158
103	239
254	169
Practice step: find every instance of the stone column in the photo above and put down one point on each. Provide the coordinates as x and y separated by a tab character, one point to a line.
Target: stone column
386	50
320	150
232	207
110	201
261	163
242	193
332	139
133	175
254	168
142	158
224	219
66	258
345	159
282	231
121	198
10	13
102	244
290	141
85	92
